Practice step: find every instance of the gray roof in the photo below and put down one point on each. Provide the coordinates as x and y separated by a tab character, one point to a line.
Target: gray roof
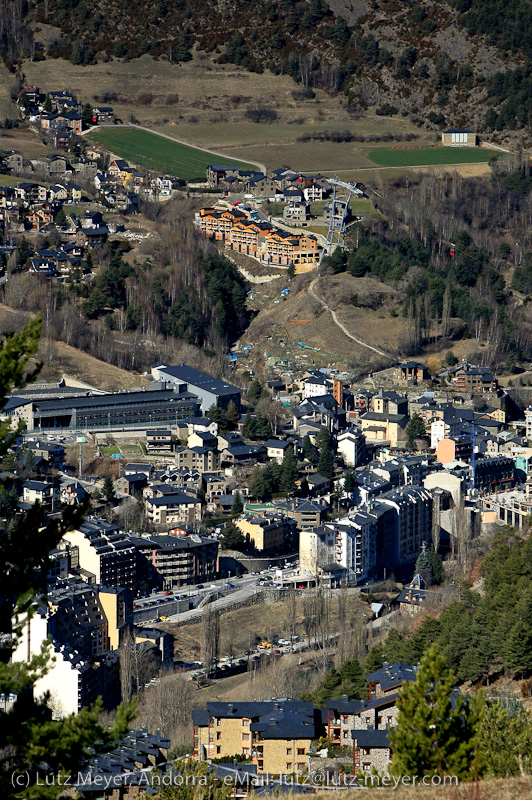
371	738
201	380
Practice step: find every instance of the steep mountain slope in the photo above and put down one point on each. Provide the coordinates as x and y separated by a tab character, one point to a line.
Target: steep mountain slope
432	60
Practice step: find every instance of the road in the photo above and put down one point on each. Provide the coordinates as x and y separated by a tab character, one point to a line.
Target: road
342	327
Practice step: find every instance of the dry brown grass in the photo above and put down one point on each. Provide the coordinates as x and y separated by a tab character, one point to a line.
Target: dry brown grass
508	789
205	103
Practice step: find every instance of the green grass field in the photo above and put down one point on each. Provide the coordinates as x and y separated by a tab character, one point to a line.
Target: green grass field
148	150
386	157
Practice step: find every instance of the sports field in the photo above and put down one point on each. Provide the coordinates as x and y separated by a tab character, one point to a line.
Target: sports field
415	157
149	150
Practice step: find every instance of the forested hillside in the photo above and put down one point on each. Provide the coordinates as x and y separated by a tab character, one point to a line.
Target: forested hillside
437	62
182	293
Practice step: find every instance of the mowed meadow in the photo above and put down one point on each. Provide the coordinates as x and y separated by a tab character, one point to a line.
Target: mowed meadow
149	150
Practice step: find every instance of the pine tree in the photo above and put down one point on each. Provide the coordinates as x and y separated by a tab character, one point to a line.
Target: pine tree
32	743
10	462
255	389
350	482
231	416
309	451
48	104
28	464
237	507
323	439
326	463
433	736
505	738
436	565
233	538
108	489
423	563
257	484
414	430
289	471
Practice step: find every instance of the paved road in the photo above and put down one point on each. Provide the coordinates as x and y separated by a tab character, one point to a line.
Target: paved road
342	327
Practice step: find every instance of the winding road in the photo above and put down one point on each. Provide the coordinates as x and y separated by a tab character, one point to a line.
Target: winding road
342	327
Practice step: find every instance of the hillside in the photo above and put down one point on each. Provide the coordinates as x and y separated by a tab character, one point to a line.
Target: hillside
433	61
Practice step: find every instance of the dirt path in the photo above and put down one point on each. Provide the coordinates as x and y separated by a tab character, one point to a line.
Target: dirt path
261	167
341	326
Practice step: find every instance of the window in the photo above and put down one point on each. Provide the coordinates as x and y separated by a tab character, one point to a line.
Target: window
366	751
218	736
245	737
245	723
346	734
366	767
300	766
288	766
218	722
288	751
245	751
301	751
218	749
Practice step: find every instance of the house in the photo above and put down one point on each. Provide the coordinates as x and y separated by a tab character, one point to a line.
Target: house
47	494
216	173
389	678
159	440
307	513
201	458
102	114
297	213
276	449
132	483
14	161
179	560
411	372
351	446
459	137
371	751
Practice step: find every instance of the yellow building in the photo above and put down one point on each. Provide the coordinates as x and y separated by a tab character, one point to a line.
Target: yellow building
275	735
266	533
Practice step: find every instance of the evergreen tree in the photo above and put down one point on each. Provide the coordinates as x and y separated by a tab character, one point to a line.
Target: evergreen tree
237	507
231	416
309	451
436	565
350	482
32	742
257	484
353	680
414	430
86	115
10	463
233	538
433	736
505	738
48	105
108	489
323	439
423	563
28	463
255	390
326	463
289	471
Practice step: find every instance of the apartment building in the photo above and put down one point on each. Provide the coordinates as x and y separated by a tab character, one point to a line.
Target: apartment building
179	560
173	509
344	716
268	532
105	553
275	735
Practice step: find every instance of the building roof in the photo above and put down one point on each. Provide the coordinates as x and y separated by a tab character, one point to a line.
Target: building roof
391	675
201	380
371	738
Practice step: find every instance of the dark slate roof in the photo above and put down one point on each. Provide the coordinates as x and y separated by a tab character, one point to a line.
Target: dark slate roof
200	379
392	675
200	716
286	725
371	738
